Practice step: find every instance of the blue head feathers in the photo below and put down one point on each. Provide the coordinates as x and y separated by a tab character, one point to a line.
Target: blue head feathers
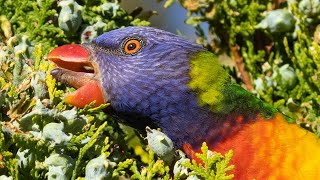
145	75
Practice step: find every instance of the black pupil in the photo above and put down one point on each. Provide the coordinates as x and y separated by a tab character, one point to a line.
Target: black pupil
132	46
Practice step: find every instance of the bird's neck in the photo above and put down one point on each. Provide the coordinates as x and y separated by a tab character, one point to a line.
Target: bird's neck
197	125
192	122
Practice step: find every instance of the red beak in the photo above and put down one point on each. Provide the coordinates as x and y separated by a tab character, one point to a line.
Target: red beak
72	56
75	69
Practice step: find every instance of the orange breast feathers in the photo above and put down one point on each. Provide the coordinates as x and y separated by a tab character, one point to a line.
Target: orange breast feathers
271	149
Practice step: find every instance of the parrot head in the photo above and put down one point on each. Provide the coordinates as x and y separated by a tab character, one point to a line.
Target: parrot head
142	72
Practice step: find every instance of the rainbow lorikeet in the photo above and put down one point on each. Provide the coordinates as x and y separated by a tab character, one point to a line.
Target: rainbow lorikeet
155	78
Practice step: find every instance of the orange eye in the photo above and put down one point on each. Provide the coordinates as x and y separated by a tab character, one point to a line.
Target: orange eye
132	46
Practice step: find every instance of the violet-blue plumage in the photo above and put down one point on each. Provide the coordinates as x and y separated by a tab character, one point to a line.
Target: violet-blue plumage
152	86
153	83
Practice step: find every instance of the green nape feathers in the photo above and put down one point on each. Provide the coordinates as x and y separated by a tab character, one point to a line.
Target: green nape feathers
208	79
216	90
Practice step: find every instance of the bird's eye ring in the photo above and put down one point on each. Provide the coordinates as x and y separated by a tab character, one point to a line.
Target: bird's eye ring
132	46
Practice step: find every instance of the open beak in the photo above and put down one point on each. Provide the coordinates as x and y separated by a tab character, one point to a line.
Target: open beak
75	68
